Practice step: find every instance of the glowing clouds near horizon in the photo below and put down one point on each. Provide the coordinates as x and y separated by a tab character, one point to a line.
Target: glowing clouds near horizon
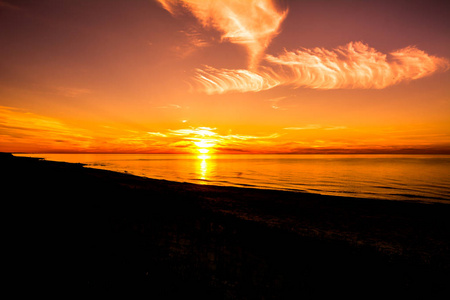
355	65
251	23
21	131
206	140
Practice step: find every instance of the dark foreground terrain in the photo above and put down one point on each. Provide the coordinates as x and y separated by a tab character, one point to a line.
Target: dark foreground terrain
95	232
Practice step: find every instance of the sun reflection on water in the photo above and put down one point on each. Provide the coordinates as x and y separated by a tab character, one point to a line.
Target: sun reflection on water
203	168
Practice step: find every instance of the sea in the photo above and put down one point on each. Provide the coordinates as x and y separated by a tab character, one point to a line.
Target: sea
424	178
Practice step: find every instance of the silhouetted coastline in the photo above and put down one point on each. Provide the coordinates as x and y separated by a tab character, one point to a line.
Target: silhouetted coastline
102	231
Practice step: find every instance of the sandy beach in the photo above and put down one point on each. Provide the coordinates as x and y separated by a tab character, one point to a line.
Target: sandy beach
101	231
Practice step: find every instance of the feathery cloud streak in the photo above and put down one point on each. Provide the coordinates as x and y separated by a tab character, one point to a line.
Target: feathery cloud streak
355	65
218	81
251	23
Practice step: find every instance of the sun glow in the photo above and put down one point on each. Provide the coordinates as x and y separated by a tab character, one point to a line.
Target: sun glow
203	145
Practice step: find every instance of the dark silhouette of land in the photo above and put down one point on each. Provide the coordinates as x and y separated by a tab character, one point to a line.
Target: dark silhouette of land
94	231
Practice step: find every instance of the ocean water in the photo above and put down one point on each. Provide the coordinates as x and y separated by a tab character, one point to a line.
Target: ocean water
394	177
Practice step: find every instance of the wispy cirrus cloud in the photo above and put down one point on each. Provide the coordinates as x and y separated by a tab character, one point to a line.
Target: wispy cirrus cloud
307	127
218	81
353	66
156	134
193	41
170	106
275	102
195	38
251	23
316	126
336	128
194	132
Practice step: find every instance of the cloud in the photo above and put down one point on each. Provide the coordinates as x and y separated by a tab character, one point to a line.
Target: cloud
255	23
195	38
196	132
170	106
23	131
307	127
251	23
275	102
208	132
207	137
316	126
336	128
156	134
218	81
240	137
353	66
193	41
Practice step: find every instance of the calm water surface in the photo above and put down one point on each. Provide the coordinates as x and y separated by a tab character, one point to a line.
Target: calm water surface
393	177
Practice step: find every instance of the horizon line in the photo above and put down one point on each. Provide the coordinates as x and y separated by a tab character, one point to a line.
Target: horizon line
333	152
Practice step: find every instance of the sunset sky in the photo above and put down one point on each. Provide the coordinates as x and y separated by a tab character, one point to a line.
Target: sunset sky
225	76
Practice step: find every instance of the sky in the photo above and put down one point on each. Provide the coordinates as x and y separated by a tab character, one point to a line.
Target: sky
224	76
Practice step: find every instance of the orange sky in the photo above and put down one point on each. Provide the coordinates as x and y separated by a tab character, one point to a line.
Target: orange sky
224	76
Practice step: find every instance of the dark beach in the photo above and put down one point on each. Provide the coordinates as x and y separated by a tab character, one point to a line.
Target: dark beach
96	231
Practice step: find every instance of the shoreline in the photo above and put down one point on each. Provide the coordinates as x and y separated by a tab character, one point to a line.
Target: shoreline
243	242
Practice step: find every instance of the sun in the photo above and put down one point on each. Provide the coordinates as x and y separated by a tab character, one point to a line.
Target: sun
204	145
